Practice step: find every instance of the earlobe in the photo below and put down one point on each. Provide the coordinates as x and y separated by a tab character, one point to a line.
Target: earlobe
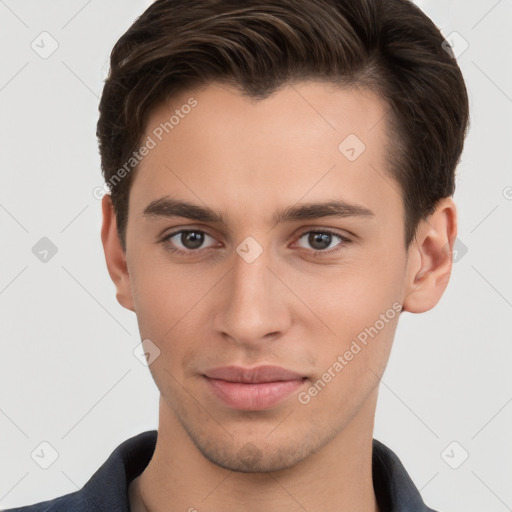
430	258
115	257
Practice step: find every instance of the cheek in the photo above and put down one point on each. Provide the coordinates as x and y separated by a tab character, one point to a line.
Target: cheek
170	299
359	304
350	297
351	364
162	292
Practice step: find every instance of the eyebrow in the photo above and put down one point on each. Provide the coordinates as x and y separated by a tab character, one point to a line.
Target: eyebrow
166	207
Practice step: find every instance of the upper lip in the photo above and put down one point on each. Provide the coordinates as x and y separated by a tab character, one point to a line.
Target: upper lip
255	375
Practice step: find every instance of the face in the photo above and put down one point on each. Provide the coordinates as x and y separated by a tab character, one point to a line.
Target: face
273	295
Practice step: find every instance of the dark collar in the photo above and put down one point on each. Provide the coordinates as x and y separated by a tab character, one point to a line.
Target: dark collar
394	489
107	489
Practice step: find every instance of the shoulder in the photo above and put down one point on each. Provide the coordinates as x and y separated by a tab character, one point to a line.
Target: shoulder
107	489
73	502
393	486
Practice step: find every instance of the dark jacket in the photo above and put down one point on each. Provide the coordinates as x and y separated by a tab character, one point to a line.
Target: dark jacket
107	489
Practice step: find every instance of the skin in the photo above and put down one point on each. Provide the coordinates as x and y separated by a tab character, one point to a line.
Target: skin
249	159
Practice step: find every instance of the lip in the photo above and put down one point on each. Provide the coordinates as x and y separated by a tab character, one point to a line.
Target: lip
257	375
253	389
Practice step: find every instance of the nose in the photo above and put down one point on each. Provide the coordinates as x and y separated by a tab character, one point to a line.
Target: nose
252	303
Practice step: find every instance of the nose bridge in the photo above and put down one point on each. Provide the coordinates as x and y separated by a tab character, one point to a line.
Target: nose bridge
251	308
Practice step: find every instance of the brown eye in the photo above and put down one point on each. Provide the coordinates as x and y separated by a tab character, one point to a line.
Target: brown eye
188	241
192	239
321	240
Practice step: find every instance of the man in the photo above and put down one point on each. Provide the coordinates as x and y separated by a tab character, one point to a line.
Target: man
280	178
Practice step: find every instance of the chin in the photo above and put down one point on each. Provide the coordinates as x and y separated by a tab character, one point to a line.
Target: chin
254	457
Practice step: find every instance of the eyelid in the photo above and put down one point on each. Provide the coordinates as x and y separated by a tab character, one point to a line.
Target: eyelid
315	229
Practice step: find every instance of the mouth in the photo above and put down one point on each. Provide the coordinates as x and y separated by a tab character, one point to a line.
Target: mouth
253	389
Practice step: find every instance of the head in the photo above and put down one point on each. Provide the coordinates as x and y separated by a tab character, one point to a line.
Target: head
255	116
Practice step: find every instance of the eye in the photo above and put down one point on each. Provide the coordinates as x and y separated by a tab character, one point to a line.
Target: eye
187	241
193	242
322	241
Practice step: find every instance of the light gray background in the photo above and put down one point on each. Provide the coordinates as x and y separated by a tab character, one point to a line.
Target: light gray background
68	375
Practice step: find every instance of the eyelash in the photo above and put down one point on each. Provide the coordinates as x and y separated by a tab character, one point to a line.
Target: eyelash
310	252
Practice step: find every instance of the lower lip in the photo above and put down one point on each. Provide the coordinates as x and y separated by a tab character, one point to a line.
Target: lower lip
253	397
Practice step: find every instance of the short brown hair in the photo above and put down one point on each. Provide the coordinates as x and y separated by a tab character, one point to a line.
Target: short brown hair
389	46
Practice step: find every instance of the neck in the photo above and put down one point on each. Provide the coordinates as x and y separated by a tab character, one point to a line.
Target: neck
336	477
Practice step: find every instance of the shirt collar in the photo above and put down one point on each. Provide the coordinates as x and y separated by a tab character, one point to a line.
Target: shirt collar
394	489
107	489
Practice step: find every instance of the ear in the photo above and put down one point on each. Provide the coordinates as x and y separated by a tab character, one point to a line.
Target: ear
114	255
430	258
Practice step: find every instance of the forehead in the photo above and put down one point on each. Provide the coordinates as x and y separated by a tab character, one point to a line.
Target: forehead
307	141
